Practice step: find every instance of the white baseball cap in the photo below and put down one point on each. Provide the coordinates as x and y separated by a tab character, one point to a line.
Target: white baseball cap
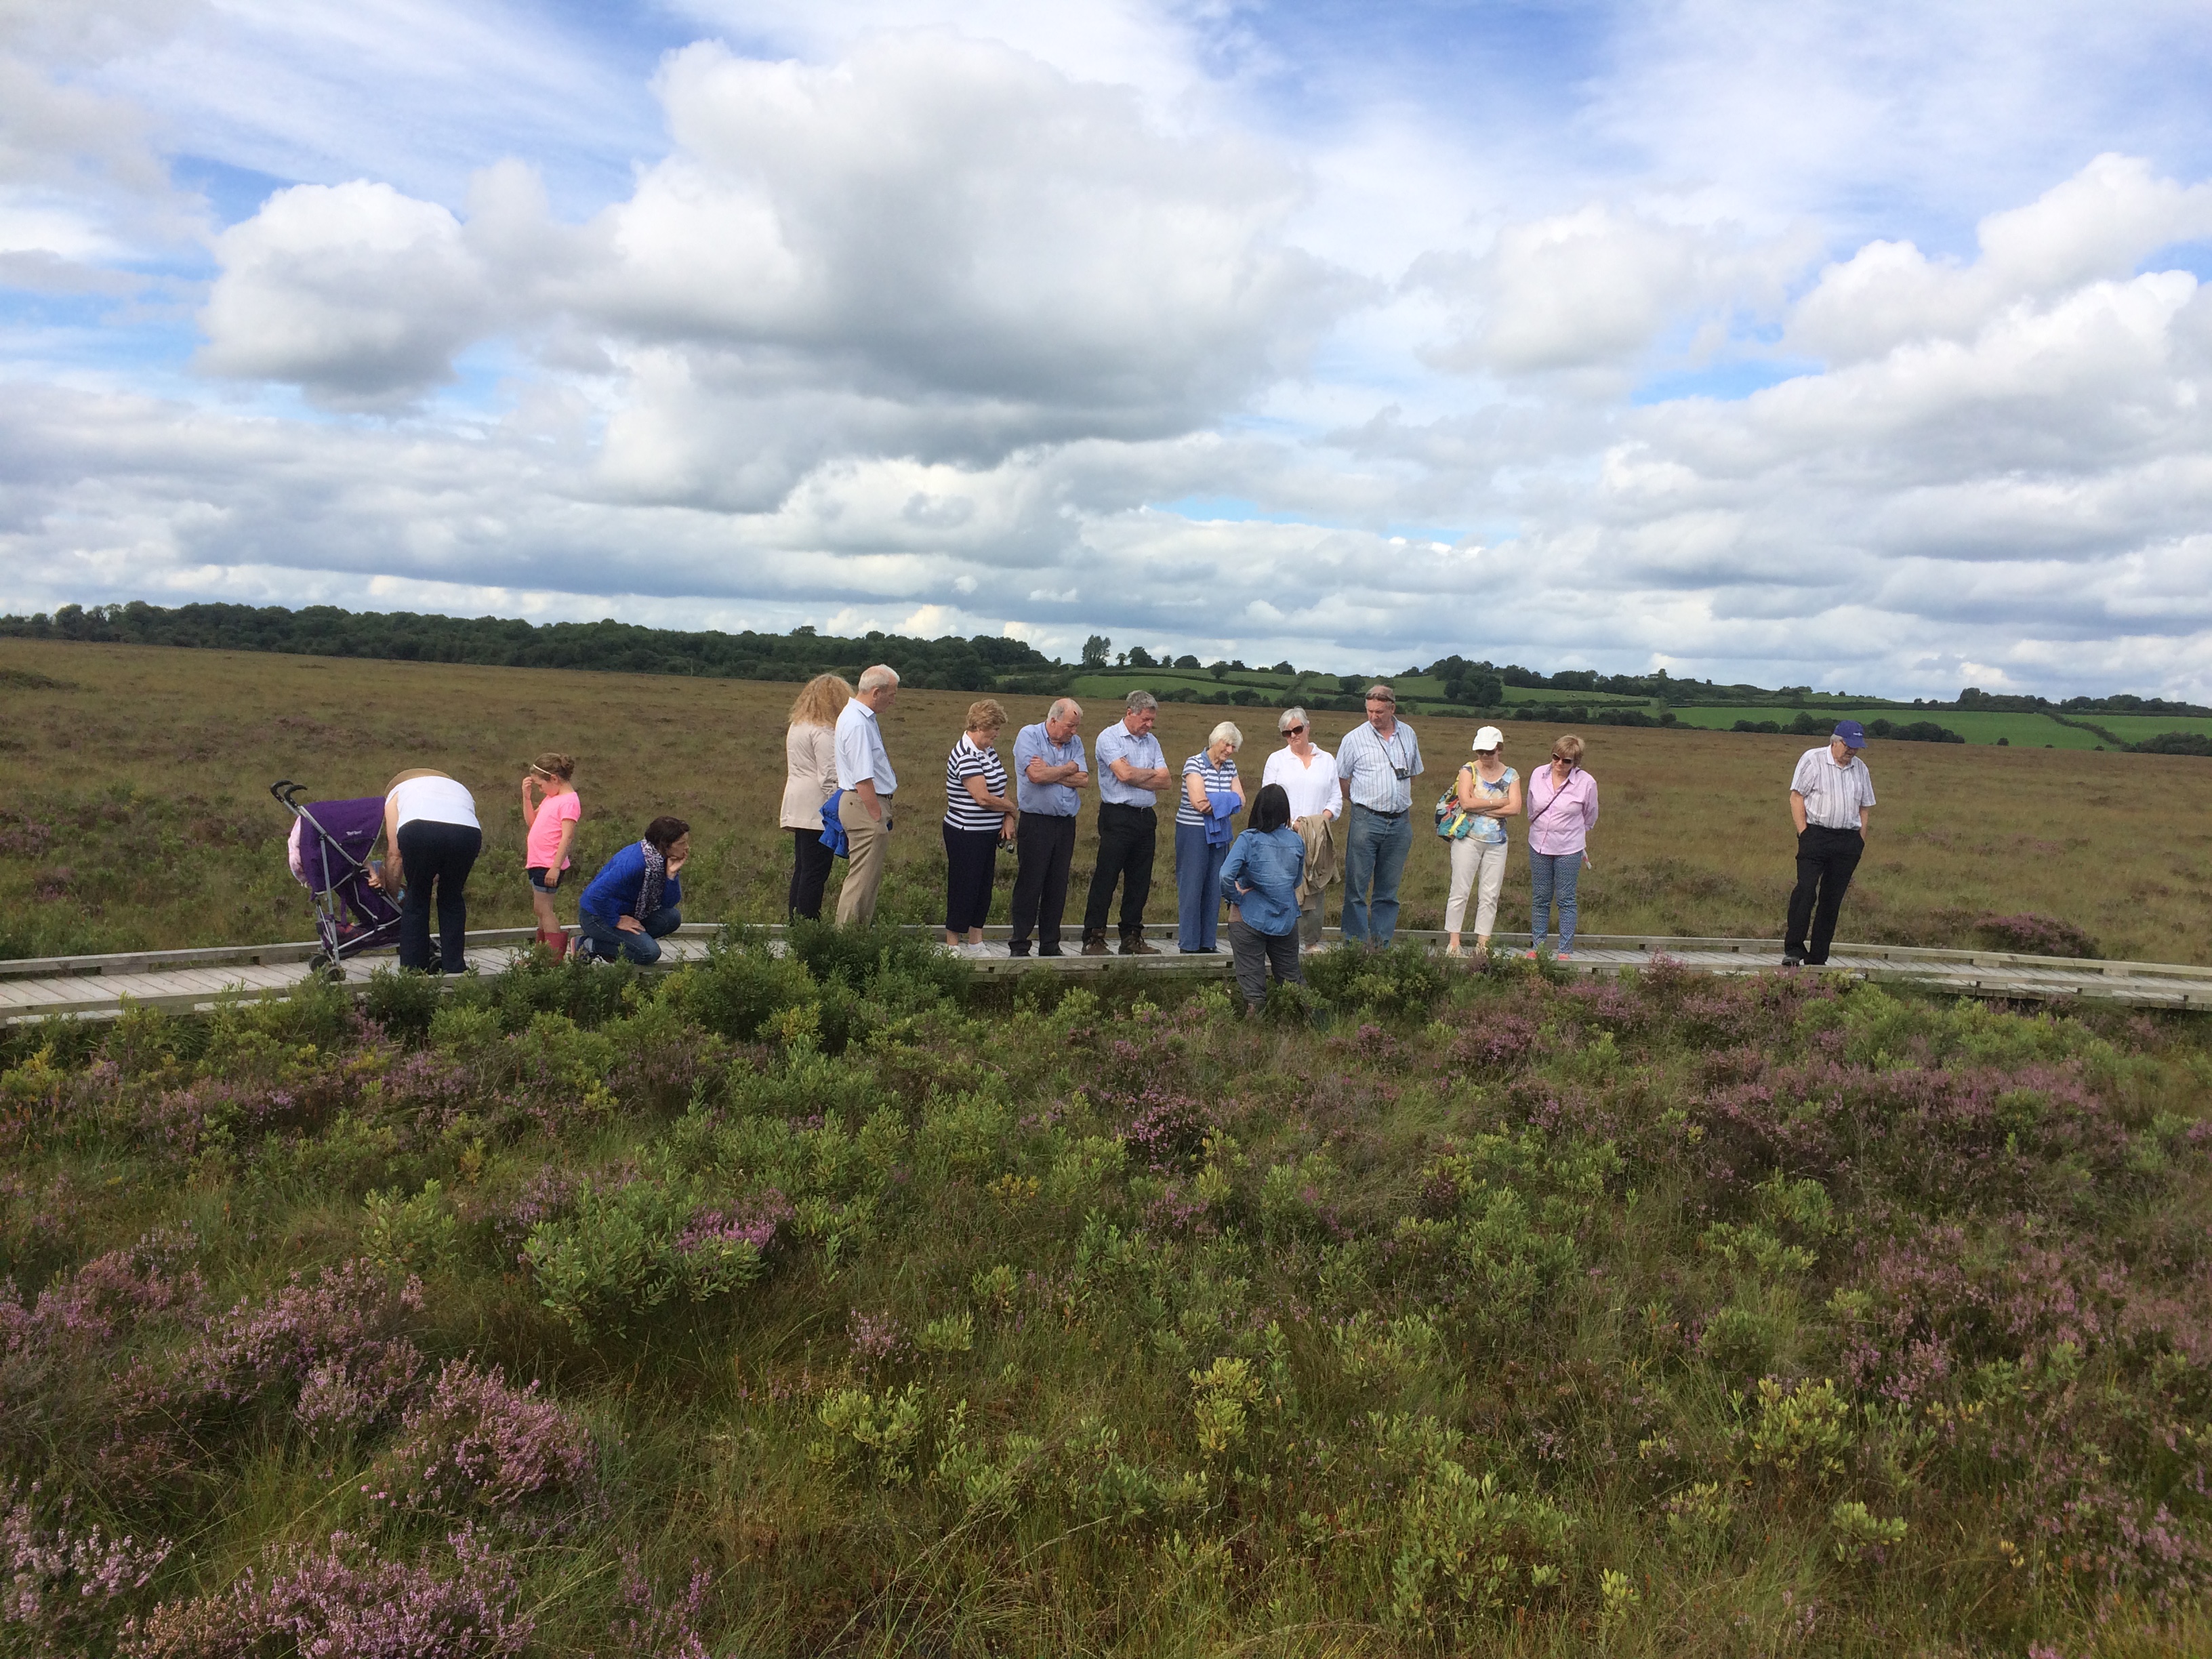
1489	738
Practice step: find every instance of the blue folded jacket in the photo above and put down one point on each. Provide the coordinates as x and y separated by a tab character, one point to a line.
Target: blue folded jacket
1221	806
833	827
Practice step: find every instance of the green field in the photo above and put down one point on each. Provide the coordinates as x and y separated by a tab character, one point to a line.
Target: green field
2137	728
2019	731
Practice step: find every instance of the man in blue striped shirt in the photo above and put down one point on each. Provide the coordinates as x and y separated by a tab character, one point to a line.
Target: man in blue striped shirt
1132	771
1048	769
1376	766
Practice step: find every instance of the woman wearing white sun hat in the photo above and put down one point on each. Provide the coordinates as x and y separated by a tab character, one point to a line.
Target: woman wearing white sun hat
1487	792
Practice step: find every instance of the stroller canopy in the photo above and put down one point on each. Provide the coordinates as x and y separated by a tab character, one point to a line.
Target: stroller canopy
348	829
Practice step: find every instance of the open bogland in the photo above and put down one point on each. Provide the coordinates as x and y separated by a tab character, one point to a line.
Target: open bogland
812	1304
134	811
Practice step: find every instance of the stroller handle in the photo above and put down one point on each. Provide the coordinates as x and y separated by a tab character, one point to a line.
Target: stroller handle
286	790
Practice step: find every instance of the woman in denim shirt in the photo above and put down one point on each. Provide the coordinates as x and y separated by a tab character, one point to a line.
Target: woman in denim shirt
1259	880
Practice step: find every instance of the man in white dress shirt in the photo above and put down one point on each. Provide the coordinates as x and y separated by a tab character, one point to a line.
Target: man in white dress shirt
864	773
1830	794
1306	773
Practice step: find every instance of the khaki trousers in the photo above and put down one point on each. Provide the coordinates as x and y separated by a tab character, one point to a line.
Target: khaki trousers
867	843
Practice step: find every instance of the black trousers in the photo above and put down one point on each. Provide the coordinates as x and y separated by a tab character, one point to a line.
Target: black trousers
1258	954
971	859
1825	860
1044	848
1126	838
809	873
439	856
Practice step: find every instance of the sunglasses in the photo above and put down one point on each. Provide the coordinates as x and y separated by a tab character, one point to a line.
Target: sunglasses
1293	730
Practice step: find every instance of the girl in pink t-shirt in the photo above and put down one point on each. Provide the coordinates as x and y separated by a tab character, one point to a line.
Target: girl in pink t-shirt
551	808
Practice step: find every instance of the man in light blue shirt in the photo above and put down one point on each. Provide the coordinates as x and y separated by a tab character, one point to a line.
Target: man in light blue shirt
1376	766
1132	770
1049	770
864	773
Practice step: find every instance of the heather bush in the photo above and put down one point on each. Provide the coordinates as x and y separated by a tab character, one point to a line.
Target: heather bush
345	1601
335	1348
1509	1312
65	1584
474	1447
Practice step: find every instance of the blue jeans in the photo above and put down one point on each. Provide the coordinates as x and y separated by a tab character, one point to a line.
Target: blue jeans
1375	849
1555	875
1198	888
609	941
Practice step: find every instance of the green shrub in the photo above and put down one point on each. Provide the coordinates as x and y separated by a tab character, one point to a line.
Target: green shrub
1406	979
415	1235
1741	1341
404	1004
630	1248
1860	1533
881	961
870	1436
1468	1548
740	988
1803	1430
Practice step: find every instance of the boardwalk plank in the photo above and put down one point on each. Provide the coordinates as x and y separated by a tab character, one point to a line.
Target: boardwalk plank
95	987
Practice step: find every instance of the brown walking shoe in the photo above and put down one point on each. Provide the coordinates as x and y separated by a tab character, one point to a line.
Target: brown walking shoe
1134	945
1095	947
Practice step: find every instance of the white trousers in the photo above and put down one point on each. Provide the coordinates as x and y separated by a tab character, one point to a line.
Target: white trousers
1473	860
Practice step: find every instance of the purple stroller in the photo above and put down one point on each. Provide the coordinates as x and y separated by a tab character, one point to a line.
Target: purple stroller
329	851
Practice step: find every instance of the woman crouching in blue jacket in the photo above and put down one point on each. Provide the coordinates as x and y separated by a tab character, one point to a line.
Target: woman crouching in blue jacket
1259	880
631	904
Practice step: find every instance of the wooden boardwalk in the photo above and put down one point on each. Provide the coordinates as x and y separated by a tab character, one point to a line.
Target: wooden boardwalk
98	987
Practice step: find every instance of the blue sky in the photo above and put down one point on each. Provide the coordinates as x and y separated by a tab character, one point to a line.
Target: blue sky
1842	344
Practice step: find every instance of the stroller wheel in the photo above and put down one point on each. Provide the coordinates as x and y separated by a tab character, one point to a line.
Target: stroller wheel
322	966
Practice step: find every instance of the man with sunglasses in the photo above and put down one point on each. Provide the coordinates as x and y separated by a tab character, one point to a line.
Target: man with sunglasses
1307	774
1377	764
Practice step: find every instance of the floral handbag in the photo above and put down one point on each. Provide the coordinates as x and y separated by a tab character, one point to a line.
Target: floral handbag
1454	823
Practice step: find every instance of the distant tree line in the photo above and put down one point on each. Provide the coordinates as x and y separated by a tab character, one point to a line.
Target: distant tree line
982	663
950	663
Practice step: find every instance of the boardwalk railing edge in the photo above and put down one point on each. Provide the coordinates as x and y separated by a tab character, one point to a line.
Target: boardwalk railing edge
221	956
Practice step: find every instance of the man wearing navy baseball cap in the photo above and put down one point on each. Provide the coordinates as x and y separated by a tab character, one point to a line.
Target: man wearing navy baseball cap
1829	796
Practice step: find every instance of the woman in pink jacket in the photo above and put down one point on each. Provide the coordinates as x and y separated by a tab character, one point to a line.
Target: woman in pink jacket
1562	808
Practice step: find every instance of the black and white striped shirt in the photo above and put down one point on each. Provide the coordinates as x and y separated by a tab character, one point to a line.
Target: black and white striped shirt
961	810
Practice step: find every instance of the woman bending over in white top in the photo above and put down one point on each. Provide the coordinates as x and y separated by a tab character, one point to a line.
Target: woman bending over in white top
432	838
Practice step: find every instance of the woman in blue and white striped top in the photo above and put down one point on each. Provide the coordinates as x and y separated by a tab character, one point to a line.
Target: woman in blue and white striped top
978	818
1210	785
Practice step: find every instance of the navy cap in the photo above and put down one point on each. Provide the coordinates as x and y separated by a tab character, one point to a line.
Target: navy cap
1852	733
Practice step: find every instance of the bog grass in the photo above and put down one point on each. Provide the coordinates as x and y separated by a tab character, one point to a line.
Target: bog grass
133	810
816	1304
